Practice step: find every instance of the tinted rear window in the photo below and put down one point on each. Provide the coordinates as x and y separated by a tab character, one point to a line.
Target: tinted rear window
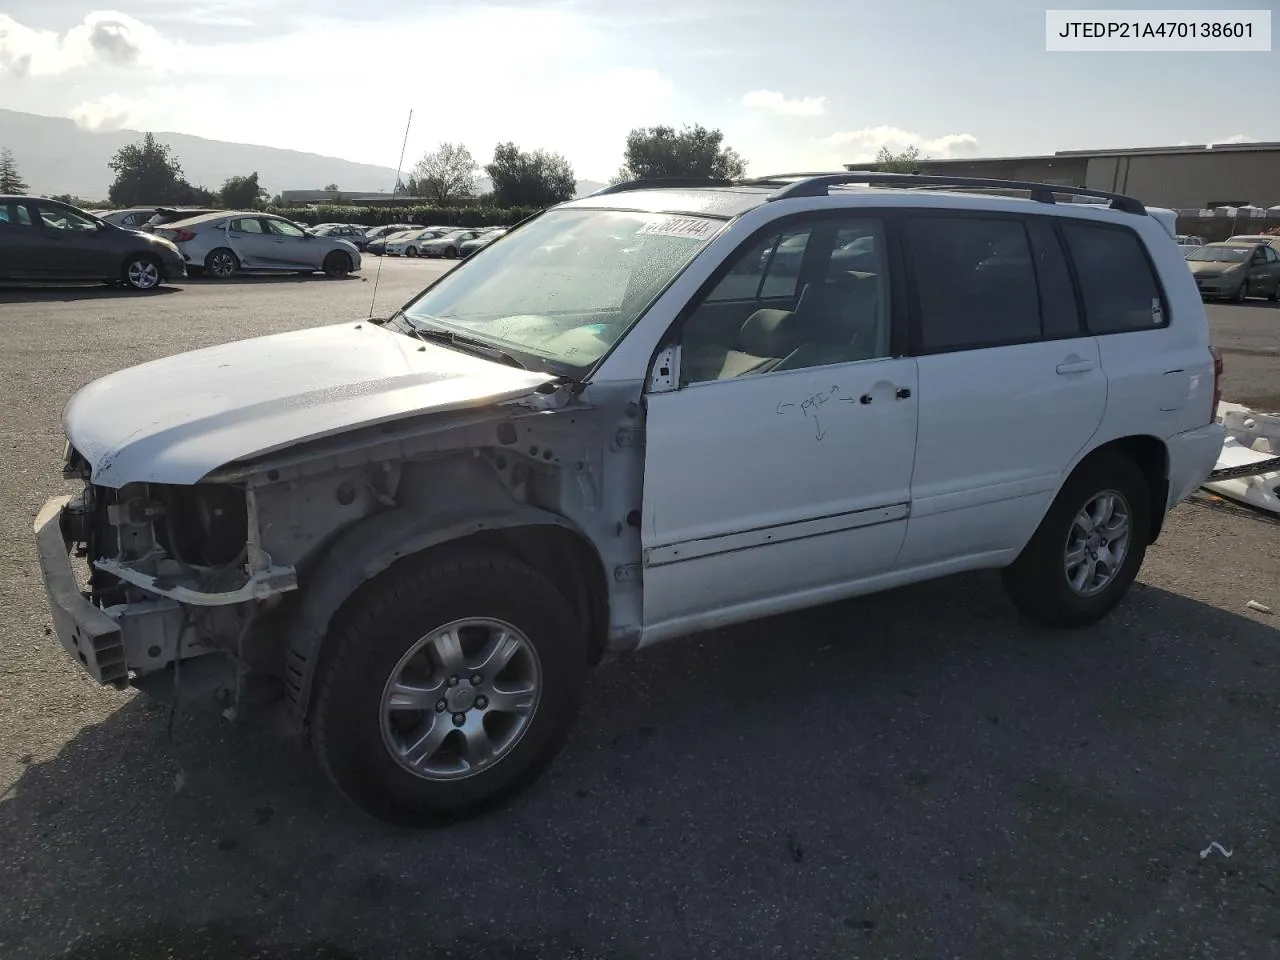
976	282
1117	283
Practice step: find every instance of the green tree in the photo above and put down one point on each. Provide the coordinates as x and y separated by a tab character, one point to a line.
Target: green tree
146	172
446	175
242	193
529	178
331	188
10	180
905	162
694	151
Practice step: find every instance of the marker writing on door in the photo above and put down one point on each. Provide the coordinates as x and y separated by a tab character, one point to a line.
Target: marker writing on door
809	407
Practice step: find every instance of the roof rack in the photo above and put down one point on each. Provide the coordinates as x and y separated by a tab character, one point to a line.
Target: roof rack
819	185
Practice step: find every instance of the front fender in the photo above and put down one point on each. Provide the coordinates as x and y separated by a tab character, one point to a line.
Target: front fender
360	553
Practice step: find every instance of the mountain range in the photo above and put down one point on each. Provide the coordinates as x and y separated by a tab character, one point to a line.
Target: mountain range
55	156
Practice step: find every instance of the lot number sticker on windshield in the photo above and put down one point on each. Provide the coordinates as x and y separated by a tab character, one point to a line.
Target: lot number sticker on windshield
691	228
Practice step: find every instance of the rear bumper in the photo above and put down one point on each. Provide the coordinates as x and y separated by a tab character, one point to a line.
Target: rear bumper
1192	456
88	635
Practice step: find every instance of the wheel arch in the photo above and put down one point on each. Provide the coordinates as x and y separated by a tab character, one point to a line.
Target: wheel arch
546	541
1151	456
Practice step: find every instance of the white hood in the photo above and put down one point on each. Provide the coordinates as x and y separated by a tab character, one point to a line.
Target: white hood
174	420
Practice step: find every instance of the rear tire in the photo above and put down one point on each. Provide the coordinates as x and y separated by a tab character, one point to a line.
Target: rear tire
365	740
222	264
1039	582
337	265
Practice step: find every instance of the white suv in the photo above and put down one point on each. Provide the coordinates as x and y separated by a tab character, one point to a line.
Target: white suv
622	425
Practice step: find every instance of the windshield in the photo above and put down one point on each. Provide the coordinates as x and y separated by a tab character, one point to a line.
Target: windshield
1220	254
566	286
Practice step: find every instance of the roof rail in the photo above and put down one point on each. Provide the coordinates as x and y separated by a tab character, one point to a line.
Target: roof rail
655	183
818	186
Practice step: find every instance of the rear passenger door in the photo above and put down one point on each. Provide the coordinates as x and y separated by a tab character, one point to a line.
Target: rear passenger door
22	246
1155	362
1011	387
248	238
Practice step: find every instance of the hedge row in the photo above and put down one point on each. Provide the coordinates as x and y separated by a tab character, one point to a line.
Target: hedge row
427	216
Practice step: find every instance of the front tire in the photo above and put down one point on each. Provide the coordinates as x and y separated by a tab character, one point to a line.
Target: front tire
1088	548
141	273
411	252
337	265
451	253
446	686
1241	293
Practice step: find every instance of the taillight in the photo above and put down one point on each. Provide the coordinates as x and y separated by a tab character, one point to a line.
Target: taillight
1217	382
177	235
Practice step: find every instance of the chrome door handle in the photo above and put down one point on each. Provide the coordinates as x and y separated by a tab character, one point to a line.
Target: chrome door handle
1074	366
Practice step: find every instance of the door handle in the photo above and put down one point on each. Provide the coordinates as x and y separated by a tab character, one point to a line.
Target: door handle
902	393
1074	366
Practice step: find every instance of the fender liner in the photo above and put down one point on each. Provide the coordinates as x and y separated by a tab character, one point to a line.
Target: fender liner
361	552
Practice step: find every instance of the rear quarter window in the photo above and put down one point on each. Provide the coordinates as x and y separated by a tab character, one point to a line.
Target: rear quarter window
1118	284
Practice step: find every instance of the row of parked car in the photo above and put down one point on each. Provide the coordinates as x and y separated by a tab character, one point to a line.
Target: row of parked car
414	239
1243	266
46	240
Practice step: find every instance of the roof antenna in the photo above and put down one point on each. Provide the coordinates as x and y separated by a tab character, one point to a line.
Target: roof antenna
377	274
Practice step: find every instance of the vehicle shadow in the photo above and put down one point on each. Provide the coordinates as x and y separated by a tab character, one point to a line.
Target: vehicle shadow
67	293
913	773
203	280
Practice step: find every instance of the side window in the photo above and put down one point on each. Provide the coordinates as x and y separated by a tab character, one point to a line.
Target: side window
1270	254
770	269
1259	255
59	218
246	225
1117	284
282	229
14	214
976	282
1059	310
838	314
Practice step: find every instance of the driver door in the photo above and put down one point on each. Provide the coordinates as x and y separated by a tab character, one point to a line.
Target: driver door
778	463
291	247
74	248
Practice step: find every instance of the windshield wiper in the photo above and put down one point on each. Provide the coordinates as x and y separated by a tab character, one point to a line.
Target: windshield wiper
468	344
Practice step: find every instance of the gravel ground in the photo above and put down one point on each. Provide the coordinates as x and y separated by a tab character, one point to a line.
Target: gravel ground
916	774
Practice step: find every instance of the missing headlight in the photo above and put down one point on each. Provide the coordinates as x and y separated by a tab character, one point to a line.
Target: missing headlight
204	525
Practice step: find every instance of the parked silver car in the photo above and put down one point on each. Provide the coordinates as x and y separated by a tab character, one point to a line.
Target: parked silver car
226	243
131	218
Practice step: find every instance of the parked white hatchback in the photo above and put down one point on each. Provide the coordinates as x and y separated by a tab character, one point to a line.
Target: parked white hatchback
621	425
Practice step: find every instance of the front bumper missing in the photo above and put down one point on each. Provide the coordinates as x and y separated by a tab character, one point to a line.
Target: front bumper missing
142	636
88	635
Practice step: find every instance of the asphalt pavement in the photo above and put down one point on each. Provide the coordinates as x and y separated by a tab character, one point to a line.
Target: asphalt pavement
914	774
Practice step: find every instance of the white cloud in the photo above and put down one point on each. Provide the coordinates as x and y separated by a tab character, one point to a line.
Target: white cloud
112	112
771	101
861	146
553	77
104	36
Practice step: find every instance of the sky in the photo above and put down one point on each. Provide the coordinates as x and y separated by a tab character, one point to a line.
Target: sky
796	85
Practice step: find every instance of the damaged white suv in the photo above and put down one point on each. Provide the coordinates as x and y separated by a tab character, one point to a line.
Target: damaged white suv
655	410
